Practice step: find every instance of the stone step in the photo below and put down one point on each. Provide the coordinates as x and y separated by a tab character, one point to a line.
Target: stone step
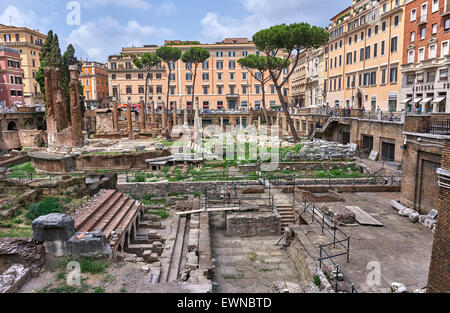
138	249
116	218
92	207
97	217
166	257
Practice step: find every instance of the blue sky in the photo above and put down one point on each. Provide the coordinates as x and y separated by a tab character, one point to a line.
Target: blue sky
108	25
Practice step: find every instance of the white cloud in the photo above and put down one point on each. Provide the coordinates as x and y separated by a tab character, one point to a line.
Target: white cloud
12	15
265	13
105	36
166	7
134	4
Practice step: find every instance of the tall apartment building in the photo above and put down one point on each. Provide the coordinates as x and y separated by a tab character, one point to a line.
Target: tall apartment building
364	54
94	78
29	43
221	83
314	94
297	83
426	58
11	88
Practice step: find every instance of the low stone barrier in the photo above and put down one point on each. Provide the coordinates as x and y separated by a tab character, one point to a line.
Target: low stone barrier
253	224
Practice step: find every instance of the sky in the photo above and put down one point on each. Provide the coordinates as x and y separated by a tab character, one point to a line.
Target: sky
99	28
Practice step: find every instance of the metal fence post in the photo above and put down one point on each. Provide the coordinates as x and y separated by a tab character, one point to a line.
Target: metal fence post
348	249
320	257
337	276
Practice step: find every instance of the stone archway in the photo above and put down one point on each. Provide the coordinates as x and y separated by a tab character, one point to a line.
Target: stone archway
12	125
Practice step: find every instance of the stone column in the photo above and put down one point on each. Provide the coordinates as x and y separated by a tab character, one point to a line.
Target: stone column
130	121
197	117
164	122
59	108
153	117
142	117
259	121
115	117
240	122
75	107
174	118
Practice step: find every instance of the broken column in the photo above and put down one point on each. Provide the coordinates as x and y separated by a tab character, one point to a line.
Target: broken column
142	117
59	107
130	121
52	128
153	117
75	107
115	117
174	111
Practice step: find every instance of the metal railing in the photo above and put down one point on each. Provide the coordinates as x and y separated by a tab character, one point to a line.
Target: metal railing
26	176
339	237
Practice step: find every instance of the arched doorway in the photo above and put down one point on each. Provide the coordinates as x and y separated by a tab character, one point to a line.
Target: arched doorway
12	125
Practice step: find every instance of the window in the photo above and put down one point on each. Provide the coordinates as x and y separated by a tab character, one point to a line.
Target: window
394	44
367	52
443	75
272	89
219	76
375	30
219	54
205	65
396	19
128	65
413	15
232	54
383	44
447	24
188	66
423	12
188	76
422	33
410	79
383	26
244	53
127	77
393	75
232	64
172	76
113	76
369	32
205	76
435	6
7	37
219	90
413	36
444	48
205	90
432	52
257	89
129	89
361	54
219	65
421	54
141	89
434	29
375	50
373	78
362	35
244	75
140	76
158	89
411	56
244	89
158	76
431	76
189	90
383	76
232	76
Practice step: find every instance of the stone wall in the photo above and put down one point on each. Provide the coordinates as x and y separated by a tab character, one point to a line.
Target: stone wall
253	224
164	189
439	275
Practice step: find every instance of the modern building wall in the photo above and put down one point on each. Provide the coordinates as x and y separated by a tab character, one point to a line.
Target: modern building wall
29	43
364	54
221	82
94	79
11	73
426	58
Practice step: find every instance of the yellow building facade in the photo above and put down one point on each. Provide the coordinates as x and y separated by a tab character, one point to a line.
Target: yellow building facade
221	83
29	43
364	55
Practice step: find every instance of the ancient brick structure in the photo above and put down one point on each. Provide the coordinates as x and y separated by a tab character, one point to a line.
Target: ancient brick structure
142	117
75	108
129	121
115	117
58	100
439	275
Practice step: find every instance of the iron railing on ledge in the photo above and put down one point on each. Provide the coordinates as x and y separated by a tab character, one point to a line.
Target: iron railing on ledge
437	126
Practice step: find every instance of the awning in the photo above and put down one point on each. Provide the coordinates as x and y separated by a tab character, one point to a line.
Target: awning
406	101
426	101
417	100
439	99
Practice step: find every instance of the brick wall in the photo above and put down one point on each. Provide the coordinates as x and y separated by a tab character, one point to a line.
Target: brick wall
439	275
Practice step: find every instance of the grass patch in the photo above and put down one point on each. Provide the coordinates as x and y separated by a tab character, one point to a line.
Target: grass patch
25	232
154	202
162	213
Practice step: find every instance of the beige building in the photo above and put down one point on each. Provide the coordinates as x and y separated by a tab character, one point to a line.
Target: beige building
297	84
29	43
314	94
364	54
221	83
94	80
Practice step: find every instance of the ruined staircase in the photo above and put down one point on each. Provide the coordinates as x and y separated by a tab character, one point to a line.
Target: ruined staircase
110	210
287	215
324	127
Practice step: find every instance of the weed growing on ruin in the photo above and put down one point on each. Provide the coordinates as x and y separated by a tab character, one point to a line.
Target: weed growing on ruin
317	281
45	207
162	213
99	290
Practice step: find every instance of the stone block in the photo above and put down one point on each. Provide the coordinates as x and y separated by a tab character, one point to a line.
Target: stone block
192	261
92	244
150	257
53	227
193	239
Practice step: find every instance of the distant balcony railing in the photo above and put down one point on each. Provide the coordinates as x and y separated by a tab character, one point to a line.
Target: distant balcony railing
422	19
438	125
